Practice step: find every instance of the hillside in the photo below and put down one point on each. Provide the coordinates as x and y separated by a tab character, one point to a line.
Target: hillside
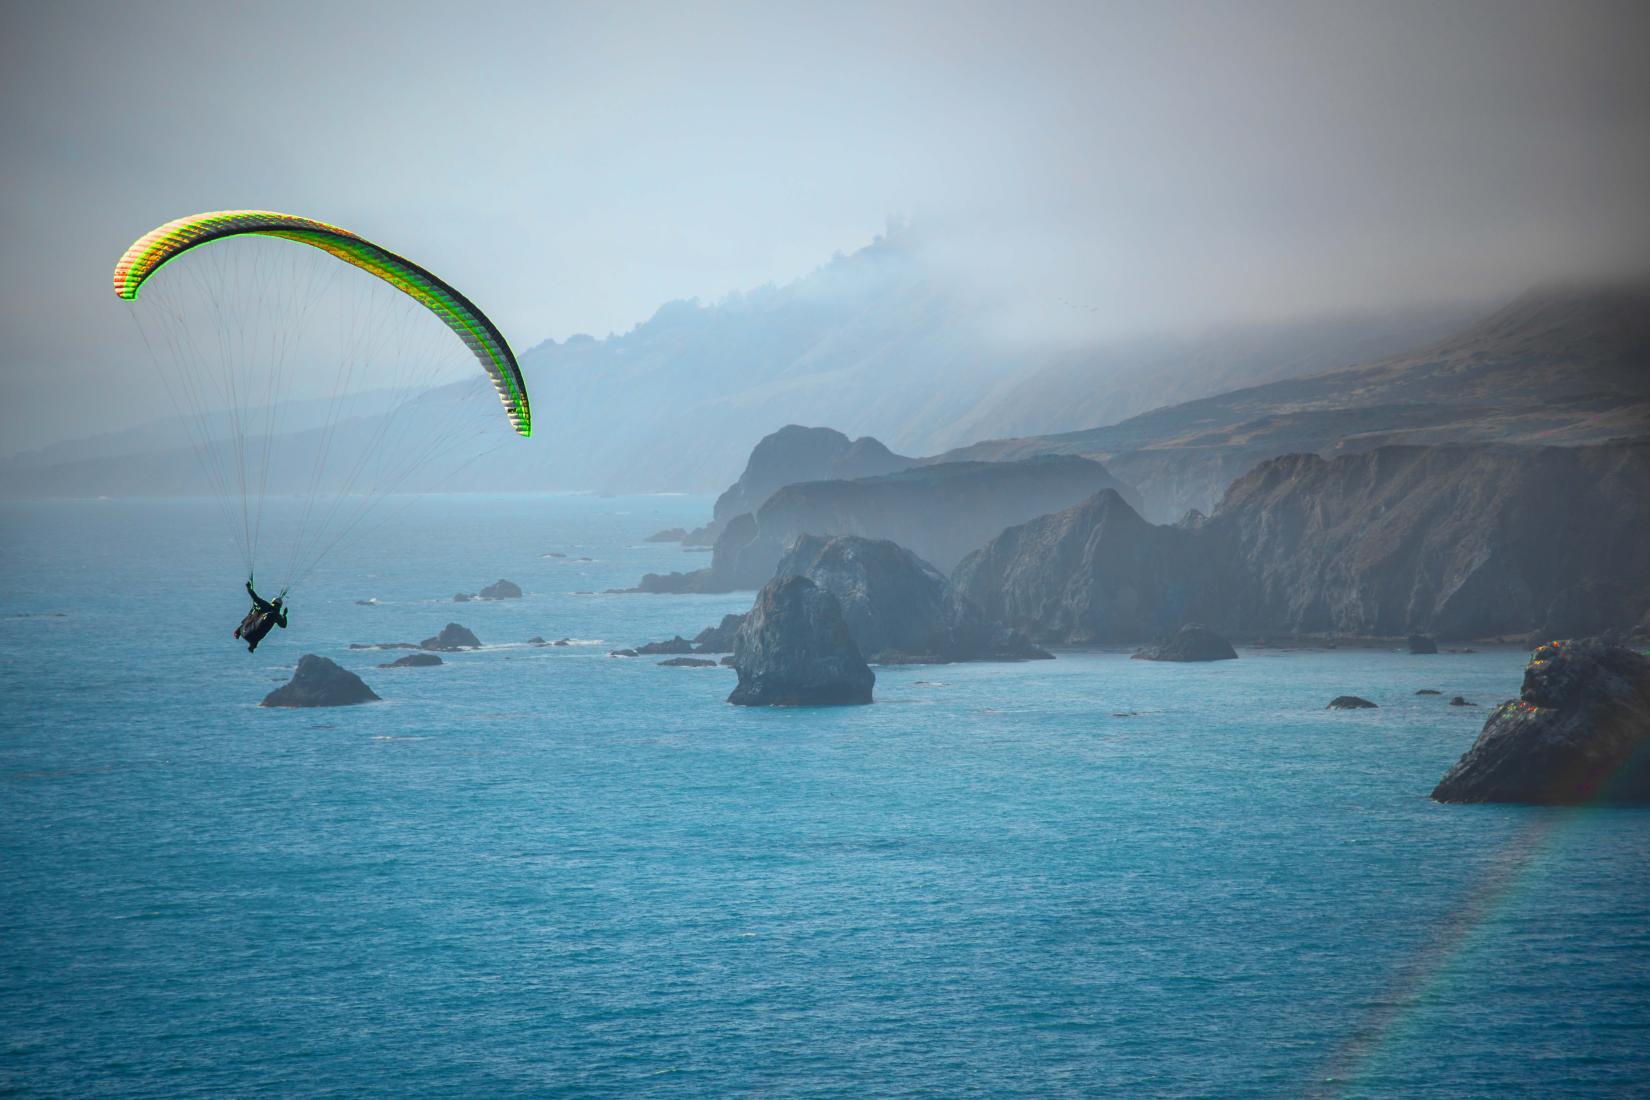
1565	366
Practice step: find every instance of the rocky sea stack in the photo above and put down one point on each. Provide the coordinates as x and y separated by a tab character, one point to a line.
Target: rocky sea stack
1192	642
795	650
319	682
452	637
501	590
1578	732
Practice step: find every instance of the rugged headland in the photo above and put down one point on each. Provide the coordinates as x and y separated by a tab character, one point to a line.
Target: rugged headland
939	512
1451	541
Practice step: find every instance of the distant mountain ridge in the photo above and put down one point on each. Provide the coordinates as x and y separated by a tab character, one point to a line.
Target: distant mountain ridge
878	343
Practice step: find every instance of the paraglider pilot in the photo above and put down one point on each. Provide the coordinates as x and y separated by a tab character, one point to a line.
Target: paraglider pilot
265	616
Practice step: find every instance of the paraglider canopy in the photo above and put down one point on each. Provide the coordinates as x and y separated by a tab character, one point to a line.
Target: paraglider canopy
166	242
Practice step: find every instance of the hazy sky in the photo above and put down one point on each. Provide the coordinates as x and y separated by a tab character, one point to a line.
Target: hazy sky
571	167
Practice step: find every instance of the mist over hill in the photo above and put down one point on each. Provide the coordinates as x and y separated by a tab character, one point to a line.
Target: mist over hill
1561	365
885	341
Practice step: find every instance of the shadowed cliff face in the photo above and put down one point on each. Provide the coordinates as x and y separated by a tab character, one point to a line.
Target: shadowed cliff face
1453	541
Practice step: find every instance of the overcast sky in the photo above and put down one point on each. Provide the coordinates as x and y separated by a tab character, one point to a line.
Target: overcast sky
571	167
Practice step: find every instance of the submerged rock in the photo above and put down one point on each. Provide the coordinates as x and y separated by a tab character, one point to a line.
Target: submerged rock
452	637
319	682
795	650
1422	643
622	653
502	590
537	640
1192	642
414	660
1428	691
1349	702
382	645
687	662
1579	731
669	534
463	597
1458	701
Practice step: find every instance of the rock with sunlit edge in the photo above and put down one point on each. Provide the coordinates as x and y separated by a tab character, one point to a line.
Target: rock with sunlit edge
1579	732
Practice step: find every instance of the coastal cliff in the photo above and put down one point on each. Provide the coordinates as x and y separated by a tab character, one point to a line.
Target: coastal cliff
1451	541
939	512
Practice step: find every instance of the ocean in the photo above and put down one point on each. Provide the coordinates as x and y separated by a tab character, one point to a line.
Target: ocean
549	872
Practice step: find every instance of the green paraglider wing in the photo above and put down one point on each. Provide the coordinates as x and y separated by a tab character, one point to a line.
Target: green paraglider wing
479	334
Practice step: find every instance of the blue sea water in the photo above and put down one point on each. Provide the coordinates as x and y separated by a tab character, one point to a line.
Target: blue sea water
546	872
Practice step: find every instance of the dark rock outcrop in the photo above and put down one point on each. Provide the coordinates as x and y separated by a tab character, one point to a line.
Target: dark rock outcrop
414	660
452	637
1578	732
501	590
319	682
687	662
1459	701
1192	642
623	653
463	597
669	534
1429	691
718	638
1349	702
899	608
795	650
1422	643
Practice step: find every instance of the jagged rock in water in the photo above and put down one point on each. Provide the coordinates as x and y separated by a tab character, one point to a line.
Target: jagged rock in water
1429	691
669	534
687	662
795	650
1458	701
718	638
452	637
1578	732
501	590
414	660
900	609
1422	643
1192	642
463	597
678	644
537	640
319	682
1349	702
